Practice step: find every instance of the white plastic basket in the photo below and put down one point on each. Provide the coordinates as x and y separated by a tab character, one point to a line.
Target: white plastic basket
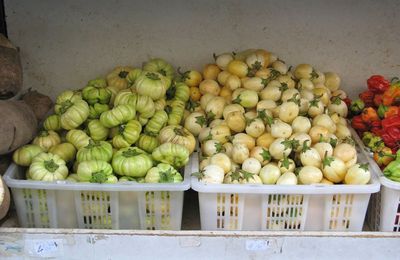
277	207
124	205
387	208
384	208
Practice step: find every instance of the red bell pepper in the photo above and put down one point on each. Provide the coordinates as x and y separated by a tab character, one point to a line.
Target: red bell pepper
378	84
391	137
393	121
394	132
378	100
368	98
375	125
377	131
358	124
389	141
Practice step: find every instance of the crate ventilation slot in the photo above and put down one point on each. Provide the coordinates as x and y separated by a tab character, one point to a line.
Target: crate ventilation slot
284	212
341	211
228	211
96	209
36	208
396	226
158	206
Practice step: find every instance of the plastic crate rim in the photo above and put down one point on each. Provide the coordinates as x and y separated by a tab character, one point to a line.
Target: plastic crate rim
12	182
389	183
322	189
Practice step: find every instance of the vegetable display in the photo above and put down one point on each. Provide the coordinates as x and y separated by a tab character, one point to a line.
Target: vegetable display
261	121
376	118
257	119
124	127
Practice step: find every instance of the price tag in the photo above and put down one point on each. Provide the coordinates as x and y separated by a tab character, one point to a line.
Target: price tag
257	245
266	246
189	241
45	248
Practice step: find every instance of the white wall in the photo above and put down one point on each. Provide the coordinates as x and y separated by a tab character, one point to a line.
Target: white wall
66	43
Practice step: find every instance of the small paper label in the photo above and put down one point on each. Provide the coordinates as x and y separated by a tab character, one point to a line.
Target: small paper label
257	245
45	248
189	242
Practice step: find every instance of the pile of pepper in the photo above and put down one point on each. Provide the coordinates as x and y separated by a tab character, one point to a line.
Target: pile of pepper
376	118
392	170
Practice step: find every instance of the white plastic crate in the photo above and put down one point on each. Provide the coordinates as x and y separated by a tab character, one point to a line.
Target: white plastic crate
278	207
124	205
384	208
388	207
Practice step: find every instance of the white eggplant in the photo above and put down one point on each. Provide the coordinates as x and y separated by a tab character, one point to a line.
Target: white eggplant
310	157
269	174
286	165
346	152
204	163
222	160
301	124
358	174
299	139
212	174
272	91
333	169
310	175
326	121
261	154
280	129
244	139
280	148
223	60
305	84
288	112
232	108
255	128
233	82
323	149
289	94
211	147
251	165
266	105
254	83
342	131
195	122
228	149
240	153
332	81
215	108
288	178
